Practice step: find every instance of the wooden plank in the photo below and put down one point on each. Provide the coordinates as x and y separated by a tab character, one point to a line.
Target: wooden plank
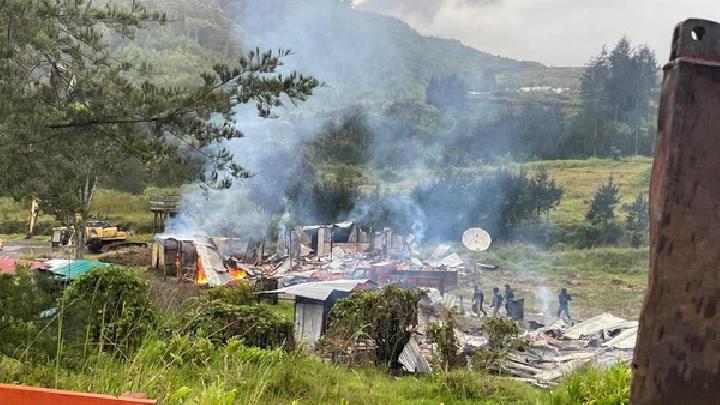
22	395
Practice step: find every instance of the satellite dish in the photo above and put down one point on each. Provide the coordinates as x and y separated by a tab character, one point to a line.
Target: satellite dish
476	239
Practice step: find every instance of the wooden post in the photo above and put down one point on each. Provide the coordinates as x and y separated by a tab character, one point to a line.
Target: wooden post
677	358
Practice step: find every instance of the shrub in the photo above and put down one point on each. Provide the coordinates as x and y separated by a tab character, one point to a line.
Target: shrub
236	349
22	300
588	236
443	334
108	307
503	337
592	386
256	325
384	316
468	386
232	294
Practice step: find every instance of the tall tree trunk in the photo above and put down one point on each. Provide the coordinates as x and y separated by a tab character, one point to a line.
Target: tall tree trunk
677	354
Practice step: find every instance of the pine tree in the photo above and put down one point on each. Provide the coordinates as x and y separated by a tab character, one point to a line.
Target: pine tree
602	208
636	220
73	110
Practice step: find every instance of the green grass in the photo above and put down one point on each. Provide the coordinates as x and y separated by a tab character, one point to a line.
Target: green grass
256	376
114	206
580	179
600	280
200	373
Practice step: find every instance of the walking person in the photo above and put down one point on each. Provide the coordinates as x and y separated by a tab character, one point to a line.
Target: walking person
509	297
496	301
478	301
564	298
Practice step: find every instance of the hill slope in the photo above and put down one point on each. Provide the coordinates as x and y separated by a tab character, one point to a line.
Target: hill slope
365	55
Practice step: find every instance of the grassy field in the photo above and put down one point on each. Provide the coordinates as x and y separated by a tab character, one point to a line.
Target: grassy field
600	280
580	179
114	206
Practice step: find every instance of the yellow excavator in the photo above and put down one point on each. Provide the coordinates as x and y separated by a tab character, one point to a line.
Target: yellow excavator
100	236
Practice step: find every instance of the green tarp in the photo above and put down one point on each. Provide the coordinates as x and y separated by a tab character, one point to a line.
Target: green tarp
75	269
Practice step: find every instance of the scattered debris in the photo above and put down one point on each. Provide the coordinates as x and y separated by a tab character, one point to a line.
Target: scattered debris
412	359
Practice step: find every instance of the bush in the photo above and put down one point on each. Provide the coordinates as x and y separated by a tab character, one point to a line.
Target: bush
232	294
383	316
593	386
109	307
236	349
256	325
443	334
589	236
503	337
22	300
463	385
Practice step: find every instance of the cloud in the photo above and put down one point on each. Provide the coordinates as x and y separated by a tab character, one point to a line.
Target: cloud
556	32
419	11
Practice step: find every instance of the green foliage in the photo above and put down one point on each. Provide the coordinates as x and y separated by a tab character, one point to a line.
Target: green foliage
590	236
256	325
543	193
619	90
232	294
503	337
636	220
110	308
383	316
22	300
345	140
443	334
325	200
447	92
478	387
602	208
498	201
593	386
70	99
529	131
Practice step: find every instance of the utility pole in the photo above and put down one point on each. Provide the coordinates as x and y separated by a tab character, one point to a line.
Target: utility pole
678	350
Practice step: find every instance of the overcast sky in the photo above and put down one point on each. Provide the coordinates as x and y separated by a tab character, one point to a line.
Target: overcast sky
554	32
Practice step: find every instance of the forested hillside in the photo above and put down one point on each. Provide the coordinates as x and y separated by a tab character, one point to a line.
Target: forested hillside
359	54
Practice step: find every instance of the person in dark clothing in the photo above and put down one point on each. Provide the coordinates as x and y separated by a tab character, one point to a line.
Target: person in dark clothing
509	296
478	301
564	298
496	301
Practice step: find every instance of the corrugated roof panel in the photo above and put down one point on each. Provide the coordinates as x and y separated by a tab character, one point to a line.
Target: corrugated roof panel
77	268
8	264
319	290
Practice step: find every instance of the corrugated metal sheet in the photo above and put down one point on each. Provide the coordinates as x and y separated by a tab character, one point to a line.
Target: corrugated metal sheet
75	269
597	324
412	359
319	290
212	264
8	264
